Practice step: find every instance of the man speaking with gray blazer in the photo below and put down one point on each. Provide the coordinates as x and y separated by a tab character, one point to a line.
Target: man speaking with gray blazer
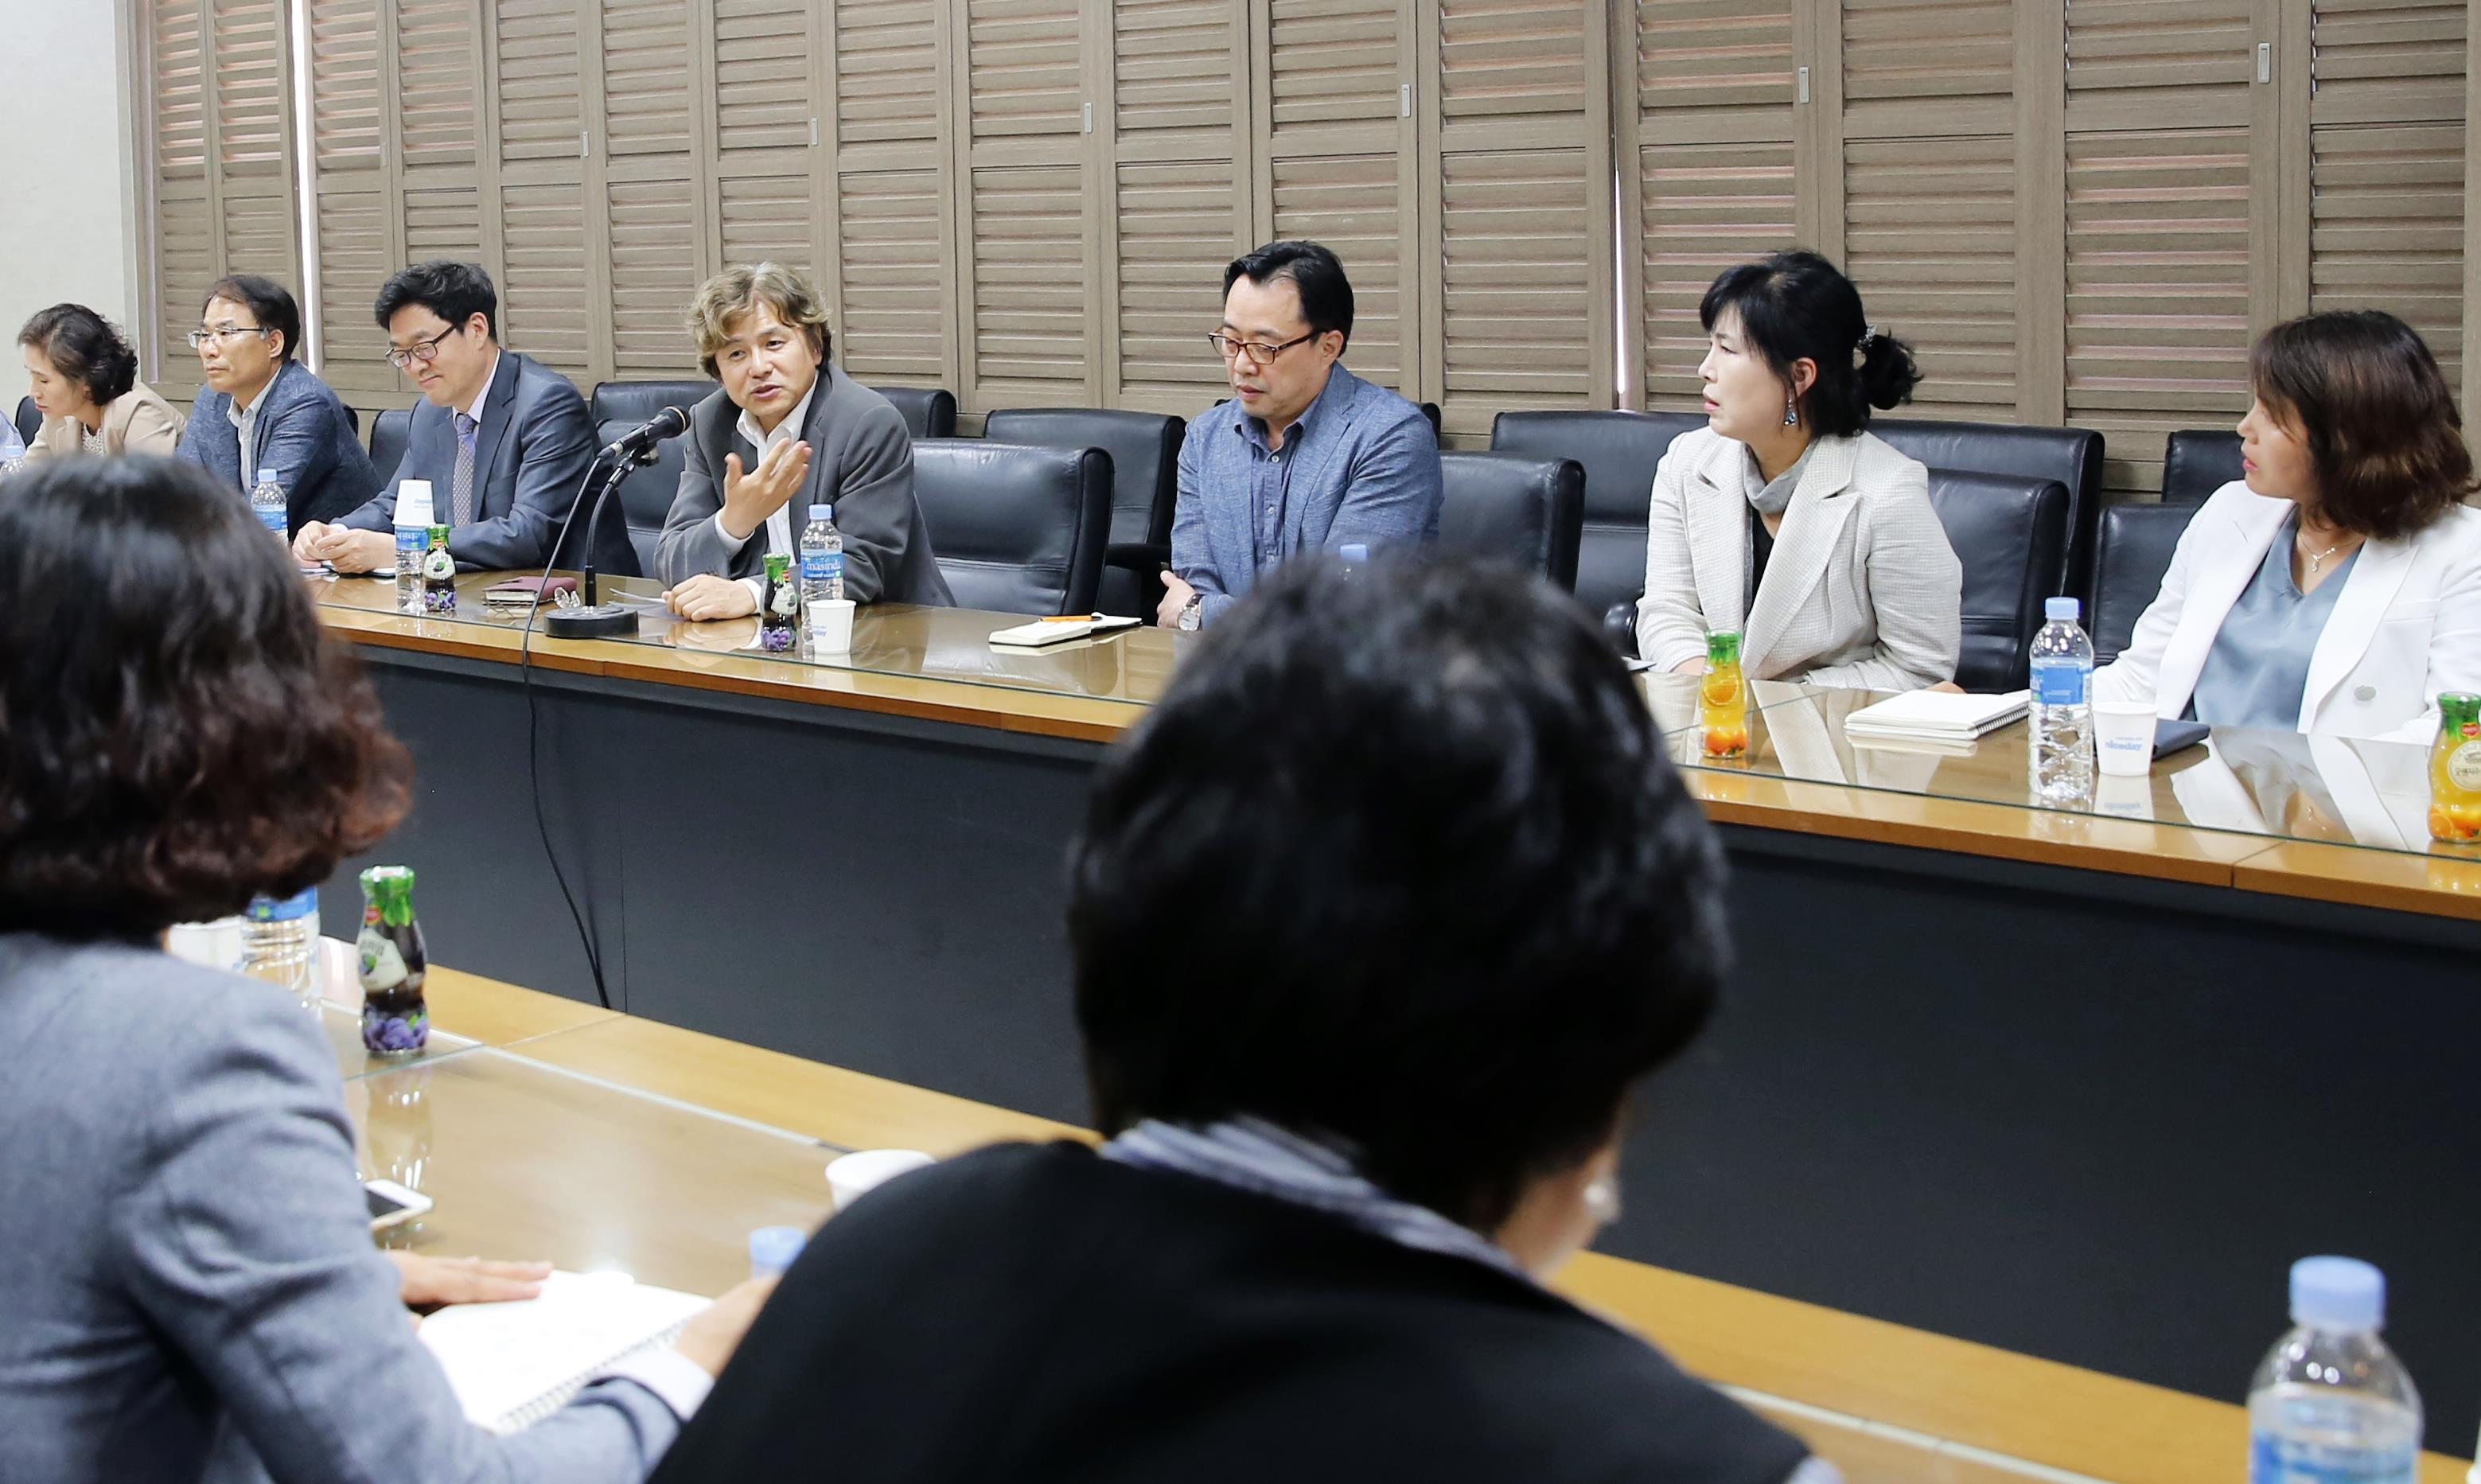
786	431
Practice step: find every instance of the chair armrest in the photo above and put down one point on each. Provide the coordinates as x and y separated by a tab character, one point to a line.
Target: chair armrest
1619	626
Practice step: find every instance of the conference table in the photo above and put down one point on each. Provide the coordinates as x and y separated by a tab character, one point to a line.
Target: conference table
2070	1084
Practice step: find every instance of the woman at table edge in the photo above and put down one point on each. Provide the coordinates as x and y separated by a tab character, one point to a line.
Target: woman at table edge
2335	588
192	1285
84	379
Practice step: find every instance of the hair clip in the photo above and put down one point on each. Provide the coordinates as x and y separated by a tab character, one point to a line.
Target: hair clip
1869	337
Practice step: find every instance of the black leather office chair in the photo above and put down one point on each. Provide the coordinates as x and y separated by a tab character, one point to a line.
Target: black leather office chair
930	412
353	419
646	498
2071	456
2131	552
2196	462
29	421
2010	533
1618	452
631	402
1145	477
389	432
1430	410
1017	528
1513	508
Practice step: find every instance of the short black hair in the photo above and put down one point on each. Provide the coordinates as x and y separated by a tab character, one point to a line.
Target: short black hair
1795	306
1316	274
83	347
178	731
270	302
1398	860
456	292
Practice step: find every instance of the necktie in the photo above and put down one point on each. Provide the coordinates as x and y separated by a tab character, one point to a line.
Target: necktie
460	491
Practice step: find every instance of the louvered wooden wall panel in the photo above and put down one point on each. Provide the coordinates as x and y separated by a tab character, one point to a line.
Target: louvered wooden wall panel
1514	280
1714	71
654	272
1918	67
354	261
1172	70
1333	61
1022	56
438	57
2386	61
1502	58
1929	239
1175	236
2157	307
180	102
1349	203
258	238
185	264
443	222
250	43
767	217
2156	63
887	71
646	76
1705	207
344	131
895	279
762	75
2386	227
544	298
1028	285
542	106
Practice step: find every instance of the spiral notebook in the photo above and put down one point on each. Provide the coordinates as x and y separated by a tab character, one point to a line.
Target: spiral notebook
512	1365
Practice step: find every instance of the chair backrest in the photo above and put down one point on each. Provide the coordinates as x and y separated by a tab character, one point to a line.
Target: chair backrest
29	421
631	402
2198	461
1018	529
353	419
390	432
1145	457
1618	451
930	412
2131	552
645	496
1430	410
2071	456
1513	508
2008	532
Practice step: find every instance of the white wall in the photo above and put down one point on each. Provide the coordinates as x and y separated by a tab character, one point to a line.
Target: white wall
66	169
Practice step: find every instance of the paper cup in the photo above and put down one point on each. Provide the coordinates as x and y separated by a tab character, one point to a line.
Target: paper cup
855	1175
215	944
2124	738
830	622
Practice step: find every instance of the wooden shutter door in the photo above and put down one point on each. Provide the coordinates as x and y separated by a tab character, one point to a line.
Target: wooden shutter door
184	240
552	293
764	164
652	220
1707	147
355	227
892	214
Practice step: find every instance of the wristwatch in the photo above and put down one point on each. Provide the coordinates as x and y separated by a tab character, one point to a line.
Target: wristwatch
1191	613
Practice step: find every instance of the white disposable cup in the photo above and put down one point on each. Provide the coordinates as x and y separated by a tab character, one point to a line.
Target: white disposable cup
2124	738
215	944
855	1175
830	623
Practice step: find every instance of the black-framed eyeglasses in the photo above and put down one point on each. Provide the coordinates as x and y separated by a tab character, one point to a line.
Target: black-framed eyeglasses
200	337
1260	354
422	352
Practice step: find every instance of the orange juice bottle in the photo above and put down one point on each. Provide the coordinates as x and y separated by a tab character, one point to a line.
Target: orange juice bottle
2455	769
1723	700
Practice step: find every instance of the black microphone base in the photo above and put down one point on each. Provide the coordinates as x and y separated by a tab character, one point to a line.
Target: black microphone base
604	620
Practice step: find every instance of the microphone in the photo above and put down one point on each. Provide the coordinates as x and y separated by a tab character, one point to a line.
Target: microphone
671	423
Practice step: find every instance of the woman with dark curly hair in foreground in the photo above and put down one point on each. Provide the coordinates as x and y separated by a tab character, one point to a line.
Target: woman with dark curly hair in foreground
187	1272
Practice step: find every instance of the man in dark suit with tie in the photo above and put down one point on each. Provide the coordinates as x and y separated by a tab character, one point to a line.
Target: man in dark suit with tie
503	442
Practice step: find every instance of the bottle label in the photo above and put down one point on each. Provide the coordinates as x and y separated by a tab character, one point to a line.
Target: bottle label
2060	683
2464	767
823	566
2276	1459
267	909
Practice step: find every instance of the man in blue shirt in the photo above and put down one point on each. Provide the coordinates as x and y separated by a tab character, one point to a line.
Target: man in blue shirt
1305	455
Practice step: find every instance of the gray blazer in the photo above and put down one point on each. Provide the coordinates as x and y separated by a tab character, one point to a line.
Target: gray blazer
302	433
529	460
188	1286
861	462
1863	590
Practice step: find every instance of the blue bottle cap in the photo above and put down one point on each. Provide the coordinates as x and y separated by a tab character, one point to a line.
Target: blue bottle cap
267	909
2342	1294
822	513
1354	551
773	1249
2061	609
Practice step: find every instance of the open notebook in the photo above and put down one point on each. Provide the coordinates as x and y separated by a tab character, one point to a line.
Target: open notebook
516	1363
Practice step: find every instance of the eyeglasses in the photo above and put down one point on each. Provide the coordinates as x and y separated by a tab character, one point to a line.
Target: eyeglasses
1228	347
200	337
422	352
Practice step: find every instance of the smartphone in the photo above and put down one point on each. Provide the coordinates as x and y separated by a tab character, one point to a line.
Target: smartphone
391	1203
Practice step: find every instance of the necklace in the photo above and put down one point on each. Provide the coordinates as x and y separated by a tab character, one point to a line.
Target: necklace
2316	558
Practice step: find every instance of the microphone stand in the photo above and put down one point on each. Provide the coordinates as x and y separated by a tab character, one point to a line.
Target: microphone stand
594	619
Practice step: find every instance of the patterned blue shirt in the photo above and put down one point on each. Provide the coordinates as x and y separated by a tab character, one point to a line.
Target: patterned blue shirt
1360	467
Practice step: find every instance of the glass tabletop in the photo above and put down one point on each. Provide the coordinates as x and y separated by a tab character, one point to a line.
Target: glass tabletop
2280	786
1129	666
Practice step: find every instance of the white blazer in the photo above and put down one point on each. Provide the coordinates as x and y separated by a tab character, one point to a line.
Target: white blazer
1863	590
2406	626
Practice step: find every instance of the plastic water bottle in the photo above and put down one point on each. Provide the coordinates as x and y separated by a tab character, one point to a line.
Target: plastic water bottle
266	503
412	540
12	449
823	557
2060	710
1353	556
279	942
773	1248
2331	1404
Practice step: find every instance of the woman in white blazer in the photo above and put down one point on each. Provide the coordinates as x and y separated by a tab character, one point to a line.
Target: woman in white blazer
1784	520
2336	590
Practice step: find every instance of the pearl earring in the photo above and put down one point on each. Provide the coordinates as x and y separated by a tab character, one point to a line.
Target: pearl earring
1791	412
1603	1200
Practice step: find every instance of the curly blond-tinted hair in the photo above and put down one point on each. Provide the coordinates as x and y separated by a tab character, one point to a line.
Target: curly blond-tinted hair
737	290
